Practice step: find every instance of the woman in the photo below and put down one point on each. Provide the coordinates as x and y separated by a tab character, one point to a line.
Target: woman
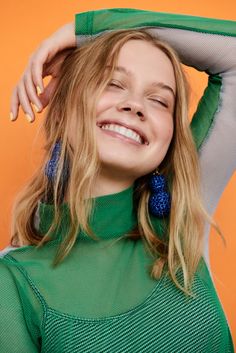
130	272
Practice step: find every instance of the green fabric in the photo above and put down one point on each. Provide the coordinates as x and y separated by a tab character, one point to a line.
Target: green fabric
129	222
102	298
94	22
202	121
96	223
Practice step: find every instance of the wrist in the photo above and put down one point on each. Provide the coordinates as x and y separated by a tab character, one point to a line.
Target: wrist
65	36
70	34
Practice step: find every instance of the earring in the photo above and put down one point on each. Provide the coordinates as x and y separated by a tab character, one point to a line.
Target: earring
52	164
160	199
51	172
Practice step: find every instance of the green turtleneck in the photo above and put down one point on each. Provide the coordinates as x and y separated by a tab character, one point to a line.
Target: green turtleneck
112	216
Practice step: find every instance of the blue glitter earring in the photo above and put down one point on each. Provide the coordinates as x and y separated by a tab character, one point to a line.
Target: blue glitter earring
51	169
159	200
52	164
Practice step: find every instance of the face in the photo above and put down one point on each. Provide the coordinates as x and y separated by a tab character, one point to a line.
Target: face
135	112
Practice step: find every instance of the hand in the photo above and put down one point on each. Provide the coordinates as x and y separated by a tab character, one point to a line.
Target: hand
45	61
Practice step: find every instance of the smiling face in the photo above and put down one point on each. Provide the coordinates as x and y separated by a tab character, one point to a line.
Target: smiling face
135	112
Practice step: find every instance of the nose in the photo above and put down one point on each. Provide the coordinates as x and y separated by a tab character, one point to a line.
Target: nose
133	107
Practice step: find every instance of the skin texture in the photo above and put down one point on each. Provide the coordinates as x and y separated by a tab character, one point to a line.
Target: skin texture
131	100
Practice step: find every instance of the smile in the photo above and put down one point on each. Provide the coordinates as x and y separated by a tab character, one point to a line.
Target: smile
123	131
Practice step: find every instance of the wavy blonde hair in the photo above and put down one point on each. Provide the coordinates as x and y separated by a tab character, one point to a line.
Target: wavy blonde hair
84	75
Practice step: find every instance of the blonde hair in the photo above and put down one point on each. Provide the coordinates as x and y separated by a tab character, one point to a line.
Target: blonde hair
85	75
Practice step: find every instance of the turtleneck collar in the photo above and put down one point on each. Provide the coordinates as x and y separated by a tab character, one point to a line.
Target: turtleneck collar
112	216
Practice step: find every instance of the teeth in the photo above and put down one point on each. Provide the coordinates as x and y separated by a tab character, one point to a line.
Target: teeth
123	131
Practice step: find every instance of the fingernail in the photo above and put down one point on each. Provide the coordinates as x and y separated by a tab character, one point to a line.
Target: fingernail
38	90
29	118
12	116
37	109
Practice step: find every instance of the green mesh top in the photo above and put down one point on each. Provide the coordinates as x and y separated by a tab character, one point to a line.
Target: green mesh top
101	299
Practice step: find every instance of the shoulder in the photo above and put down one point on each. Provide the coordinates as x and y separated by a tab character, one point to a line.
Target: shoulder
7	260
28	252
7	277
16	267
14	252
7	250
27	263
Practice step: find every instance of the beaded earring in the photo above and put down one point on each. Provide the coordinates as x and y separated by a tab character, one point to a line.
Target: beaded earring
160	199
52	164
51	169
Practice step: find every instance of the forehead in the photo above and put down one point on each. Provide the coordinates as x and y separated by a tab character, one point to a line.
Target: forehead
141	59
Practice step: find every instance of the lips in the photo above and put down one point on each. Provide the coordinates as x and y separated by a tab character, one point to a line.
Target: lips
135	129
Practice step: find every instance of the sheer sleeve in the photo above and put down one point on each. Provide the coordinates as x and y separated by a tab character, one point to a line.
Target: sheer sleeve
14	334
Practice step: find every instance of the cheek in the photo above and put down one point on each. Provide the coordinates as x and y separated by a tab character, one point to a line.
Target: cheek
170	132
164	128
104	103
169	127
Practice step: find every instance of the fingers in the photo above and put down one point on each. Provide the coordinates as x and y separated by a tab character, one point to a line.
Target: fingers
43	61
14	105
23	95
36	68
25	103
48	92
28	88
29	91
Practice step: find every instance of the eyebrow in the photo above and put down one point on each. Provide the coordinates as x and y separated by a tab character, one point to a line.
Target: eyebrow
161	85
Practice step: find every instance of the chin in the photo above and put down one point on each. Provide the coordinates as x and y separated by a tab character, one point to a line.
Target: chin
124	168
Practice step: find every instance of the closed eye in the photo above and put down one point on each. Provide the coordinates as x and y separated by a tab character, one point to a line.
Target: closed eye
159	102
115	84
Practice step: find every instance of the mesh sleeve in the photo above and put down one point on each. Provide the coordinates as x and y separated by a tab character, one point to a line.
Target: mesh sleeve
14	334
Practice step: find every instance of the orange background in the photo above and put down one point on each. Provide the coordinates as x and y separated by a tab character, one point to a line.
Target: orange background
23	25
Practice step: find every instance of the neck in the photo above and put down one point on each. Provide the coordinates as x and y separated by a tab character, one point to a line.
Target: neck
110	184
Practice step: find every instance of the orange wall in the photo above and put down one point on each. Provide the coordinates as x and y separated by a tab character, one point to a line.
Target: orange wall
23	25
